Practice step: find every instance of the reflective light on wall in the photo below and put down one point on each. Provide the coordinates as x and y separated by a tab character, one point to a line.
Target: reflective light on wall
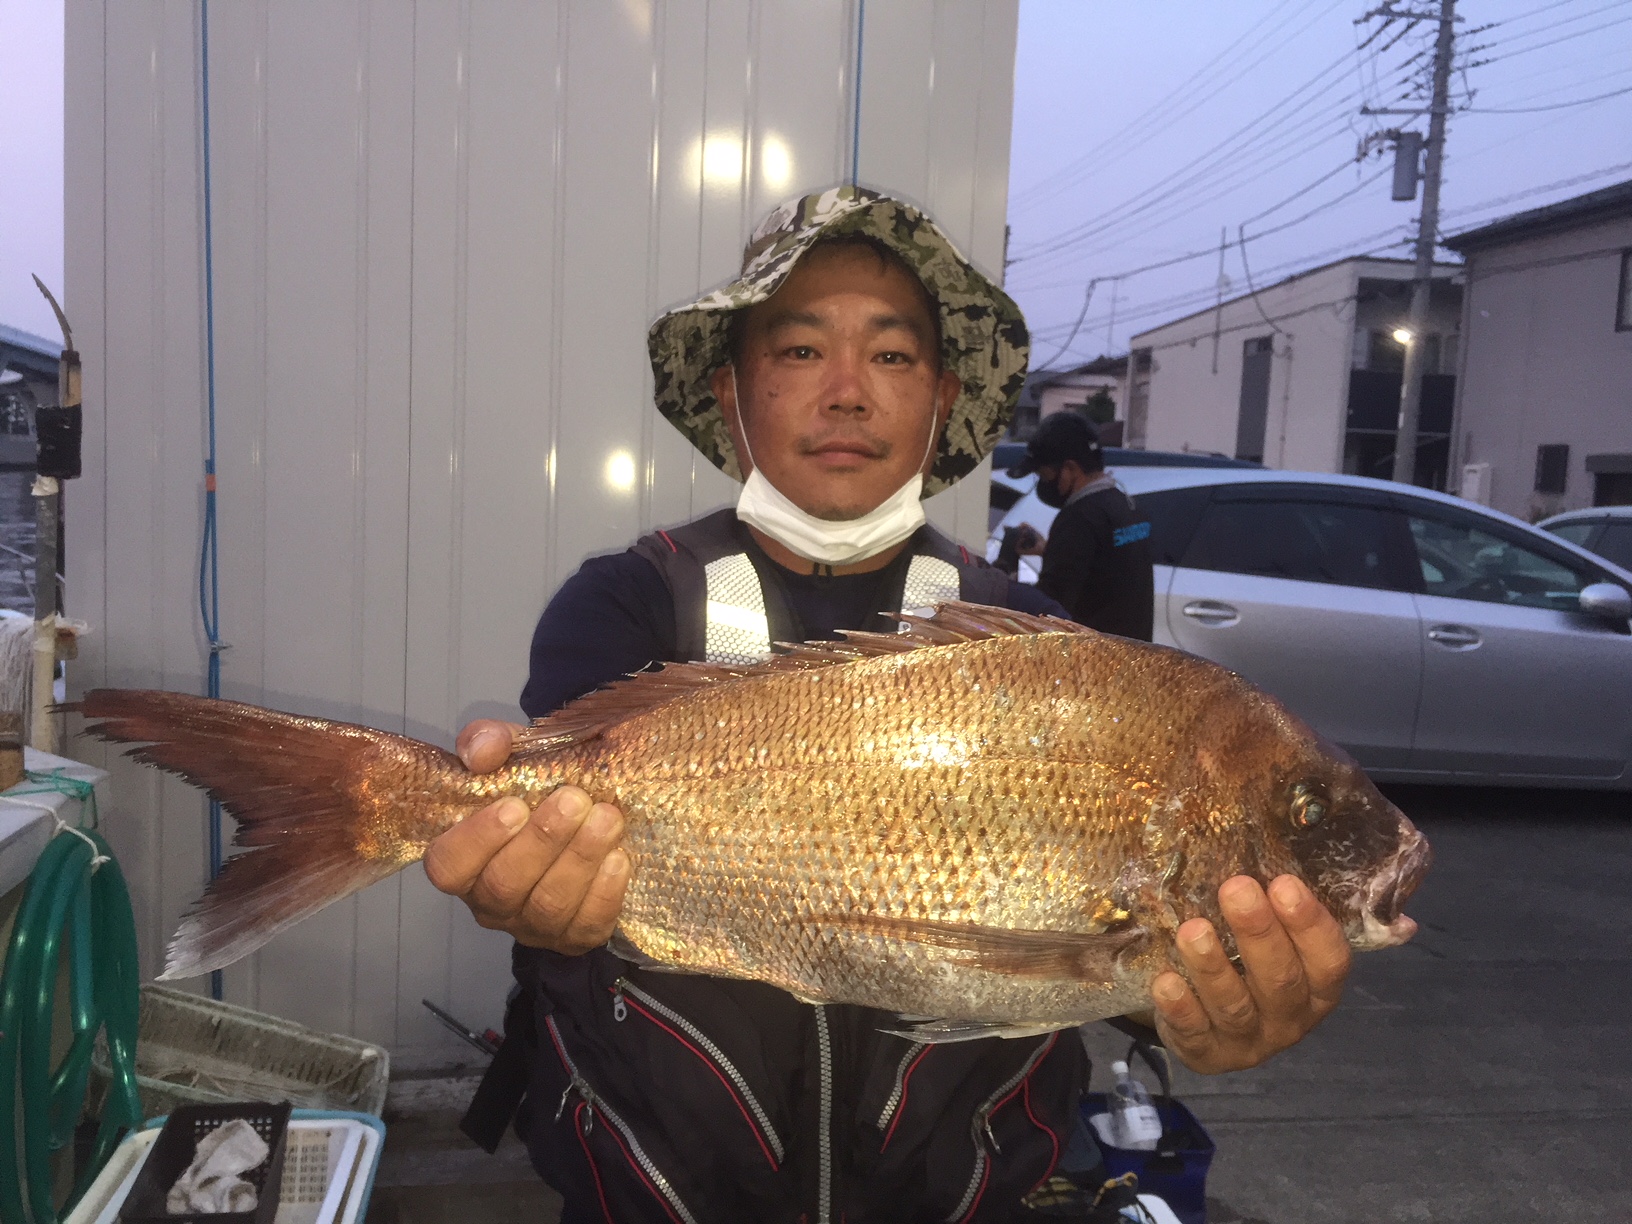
719	160
620	471
775	163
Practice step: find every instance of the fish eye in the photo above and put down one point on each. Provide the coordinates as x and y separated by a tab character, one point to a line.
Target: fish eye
1308	806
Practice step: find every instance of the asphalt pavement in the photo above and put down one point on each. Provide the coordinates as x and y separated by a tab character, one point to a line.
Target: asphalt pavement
1481	1073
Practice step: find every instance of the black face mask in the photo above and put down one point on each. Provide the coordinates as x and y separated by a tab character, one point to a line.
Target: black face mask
1050	493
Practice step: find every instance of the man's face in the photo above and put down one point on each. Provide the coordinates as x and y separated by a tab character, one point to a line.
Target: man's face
840	388
1049	491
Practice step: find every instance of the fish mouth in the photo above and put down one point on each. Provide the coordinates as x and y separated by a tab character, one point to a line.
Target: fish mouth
1383	925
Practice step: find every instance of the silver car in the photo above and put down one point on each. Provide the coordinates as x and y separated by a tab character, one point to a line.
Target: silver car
1435	640
1605	530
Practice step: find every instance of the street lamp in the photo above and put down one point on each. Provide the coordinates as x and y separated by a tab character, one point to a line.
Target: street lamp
1402	335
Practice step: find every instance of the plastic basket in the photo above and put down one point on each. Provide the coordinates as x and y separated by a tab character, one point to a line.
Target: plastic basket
174	1149
192	1050
330	1160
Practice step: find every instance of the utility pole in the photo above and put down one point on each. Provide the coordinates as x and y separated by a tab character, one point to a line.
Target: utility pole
1218	303
1405	442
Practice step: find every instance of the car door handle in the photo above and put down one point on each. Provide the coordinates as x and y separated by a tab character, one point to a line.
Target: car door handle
1211	612
1455	637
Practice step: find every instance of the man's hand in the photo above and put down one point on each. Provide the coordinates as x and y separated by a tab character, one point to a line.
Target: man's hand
553	877
1029	542
1294	958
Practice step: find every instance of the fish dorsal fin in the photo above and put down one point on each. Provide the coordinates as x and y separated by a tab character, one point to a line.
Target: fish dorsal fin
952	623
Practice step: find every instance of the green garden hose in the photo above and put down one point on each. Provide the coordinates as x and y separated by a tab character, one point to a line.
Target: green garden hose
75	887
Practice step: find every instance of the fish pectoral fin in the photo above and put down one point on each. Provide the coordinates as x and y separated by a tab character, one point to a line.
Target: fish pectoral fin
625	949
1050	954
944	1032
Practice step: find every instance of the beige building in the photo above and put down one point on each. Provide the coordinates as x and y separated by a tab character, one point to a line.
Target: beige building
1096	390
1544	405
1304	374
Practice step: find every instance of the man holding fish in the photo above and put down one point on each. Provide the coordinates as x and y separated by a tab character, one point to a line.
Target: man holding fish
857	364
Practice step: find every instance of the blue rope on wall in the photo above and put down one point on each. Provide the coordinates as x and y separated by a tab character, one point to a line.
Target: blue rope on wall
209	571
855	135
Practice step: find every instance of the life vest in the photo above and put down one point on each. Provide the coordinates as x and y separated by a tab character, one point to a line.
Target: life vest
726	613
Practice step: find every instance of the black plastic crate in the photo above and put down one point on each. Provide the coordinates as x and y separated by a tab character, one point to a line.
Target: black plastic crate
173	1151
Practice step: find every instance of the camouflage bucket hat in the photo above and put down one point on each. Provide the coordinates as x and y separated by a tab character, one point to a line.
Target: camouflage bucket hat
984	338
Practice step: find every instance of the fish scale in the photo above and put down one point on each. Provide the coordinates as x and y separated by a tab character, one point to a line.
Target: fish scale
995	819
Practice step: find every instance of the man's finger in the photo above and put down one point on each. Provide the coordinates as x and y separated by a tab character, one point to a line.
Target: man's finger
1319	938
1182	1016
484	744
1223	993
1273	967
506	884
554	900
454	860
597	917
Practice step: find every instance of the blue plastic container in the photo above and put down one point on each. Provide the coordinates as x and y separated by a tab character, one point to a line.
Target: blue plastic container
1176	1171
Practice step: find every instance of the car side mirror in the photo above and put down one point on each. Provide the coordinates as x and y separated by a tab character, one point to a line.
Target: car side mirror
1607	601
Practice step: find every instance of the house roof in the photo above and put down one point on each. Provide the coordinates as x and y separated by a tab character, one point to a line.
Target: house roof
1099	365
1607	203
24	351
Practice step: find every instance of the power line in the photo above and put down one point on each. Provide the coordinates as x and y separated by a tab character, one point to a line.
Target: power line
1263	141
1220	157
1203	296
1555	24
1573	181
1532	110
1535	12
1167	200
1553	42
1087	296
1199	297
1187	174
1553	69
1285	225
1302	191
1175	260
1086	162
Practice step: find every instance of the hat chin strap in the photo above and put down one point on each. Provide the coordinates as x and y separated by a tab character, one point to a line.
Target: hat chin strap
829	541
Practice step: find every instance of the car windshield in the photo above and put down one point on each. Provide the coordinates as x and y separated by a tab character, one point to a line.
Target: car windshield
1576	533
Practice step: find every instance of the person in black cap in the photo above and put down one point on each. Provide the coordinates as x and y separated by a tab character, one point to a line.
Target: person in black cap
1096	558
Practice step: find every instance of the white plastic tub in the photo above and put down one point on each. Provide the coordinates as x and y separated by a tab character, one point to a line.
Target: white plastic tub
328	1171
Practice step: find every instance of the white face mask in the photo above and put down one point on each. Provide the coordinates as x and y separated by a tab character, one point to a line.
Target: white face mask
828	541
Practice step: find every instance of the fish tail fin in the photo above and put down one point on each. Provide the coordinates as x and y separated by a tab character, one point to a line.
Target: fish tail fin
298	790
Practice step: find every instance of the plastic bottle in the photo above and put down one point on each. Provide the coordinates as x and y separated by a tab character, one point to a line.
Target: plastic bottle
1134	1121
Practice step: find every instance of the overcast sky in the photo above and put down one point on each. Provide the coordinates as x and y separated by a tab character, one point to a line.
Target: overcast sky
30	162
1142	129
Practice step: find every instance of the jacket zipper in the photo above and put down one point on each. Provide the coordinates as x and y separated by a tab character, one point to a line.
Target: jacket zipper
981	1129
824	1185
578	1084
894	1101
620	1010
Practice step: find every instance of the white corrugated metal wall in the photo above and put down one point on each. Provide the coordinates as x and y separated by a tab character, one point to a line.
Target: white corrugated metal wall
441	230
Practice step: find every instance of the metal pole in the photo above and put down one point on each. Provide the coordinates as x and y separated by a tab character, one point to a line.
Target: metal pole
42	733
1405	442
58	457
1218	304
